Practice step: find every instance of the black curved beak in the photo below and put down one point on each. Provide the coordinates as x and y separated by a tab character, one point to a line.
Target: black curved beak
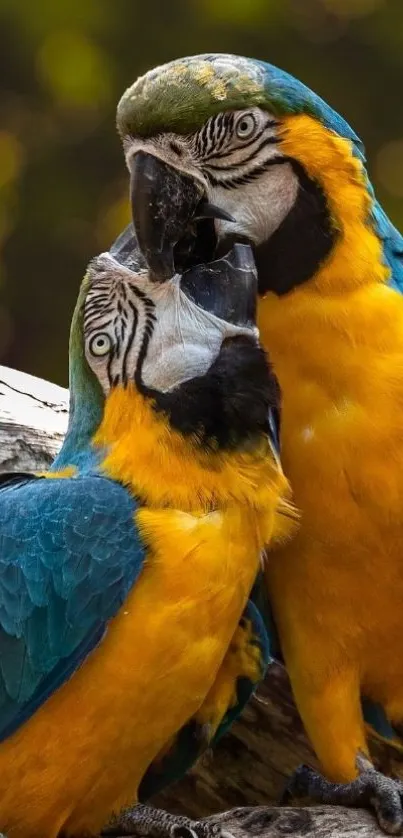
164	203
226	287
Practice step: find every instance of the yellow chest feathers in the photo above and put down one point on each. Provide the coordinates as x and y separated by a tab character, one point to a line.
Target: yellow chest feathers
165	469
336	343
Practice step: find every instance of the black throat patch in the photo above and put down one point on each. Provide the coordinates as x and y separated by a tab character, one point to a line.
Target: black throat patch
302	242
231	405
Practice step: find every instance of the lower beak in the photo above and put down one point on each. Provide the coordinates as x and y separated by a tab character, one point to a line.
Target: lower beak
226	287
164	203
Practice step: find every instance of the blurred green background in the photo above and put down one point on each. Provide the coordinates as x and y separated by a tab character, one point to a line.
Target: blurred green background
63	66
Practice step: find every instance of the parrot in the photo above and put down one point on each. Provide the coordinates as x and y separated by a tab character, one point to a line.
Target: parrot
261	147
128	636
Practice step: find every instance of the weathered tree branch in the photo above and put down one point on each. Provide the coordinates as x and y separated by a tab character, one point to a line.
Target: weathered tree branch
33	421
251	764
298	822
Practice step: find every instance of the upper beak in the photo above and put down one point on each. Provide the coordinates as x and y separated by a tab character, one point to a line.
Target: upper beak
164	203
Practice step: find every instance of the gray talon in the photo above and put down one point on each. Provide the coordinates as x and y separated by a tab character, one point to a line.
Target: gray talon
370	790
156	823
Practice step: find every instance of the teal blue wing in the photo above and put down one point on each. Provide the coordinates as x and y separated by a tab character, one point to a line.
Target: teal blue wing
69	554
392	242
191	740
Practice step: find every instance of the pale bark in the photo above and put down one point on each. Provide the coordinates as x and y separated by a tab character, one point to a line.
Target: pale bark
251	764
299	822
33	421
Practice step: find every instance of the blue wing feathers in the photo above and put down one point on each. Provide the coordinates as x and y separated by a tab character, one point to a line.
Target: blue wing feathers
69	554
392	246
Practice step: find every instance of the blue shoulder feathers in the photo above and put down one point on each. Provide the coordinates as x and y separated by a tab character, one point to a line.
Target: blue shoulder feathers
69	554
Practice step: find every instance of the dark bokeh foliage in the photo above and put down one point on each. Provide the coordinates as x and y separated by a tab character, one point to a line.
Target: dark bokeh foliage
63	66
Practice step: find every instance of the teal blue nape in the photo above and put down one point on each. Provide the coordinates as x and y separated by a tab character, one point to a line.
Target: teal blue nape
244	82
86	399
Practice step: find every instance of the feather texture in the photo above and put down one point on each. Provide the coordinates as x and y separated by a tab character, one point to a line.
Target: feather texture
336	343
69	554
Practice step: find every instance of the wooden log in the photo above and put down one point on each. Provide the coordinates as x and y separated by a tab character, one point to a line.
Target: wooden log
33	421
251	764
298	822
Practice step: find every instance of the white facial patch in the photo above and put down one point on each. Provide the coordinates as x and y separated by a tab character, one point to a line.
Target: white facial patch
258	207
186	339
237	159
140	331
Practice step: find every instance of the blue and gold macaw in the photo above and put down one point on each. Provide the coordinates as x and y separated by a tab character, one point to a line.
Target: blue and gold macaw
289	171
127	642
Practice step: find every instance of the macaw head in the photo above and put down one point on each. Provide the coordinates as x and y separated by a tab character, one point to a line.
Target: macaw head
222	148
188	346
157	336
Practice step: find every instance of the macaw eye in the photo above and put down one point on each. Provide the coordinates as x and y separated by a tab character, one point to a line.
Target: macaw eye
245	126
100	344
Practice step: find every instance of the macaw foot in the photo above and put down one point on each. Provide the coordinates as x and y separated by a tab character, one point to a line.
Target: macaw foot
155	823
370	790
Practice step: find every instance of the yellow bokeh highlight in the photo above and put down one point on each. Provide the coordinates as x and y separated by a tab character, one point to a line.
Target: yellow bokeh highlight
11	158
74	69
389	167
352	8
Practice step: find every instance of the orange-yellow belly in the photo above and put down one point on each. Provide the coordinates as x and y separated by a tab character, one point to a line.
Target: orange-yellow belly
83	753
337	588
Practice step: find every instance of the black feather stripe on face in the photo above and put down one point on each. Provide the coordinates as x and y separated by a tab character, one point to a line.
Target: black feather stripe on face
247	176
302	242
216	141
114	308
232	166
